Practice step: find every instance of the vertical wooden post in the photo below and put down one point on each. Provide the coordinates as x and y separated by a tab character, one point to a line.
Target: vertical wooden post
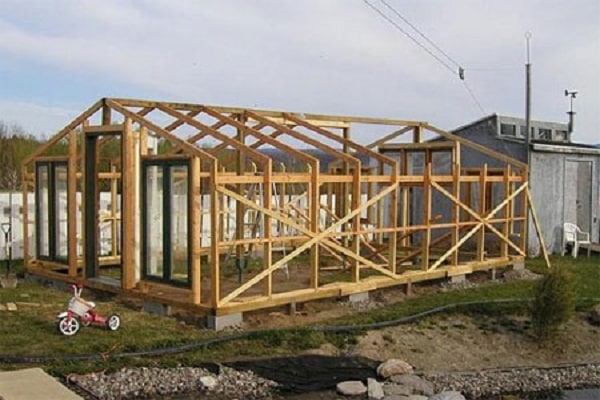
240	209
405	242
215	295
128	223
113	211
72	205
83	170
507	213
482	212
356	221
455	232
313	204
106	113
393	223
426	235
524	212
379	211
268	231
195	228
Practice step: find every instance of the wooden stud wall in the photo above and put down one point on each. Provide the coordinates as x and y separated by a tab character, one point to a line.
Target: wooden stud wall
325	221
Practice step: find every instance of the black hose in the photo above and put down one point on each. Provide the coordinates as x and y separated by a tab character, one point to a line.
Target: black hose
29	359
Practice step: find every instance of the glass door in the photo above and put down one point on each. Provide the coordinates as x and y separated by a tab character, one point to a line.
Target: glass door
165	224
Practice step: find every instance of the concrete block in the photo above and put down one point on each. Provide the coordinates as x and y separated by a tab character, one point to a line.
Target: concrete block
362	297
156	308
519	266
458	278
220	322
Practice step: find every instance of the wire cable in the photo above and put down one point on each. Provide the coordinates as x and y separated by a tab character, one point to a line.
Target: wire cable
435	46
415	41
475	99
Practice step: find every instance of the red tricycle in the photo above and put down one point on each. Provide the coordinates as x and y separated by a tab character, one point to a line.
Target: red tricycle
81	313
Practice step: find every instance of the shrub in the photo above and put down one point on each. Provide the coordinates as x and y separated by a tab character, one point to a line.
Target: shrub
553	303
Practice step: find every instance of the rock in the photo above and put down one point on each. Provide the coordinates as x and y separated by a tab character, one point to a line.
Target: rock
450	395
208	382
394	367
11	306
595	314
417	397
414	384
391	389
398	397
374	389
351	388
2	307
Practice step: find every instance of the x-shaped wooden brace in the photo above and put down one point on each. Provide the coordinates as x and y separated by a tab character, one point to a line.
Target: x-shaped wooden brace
315	237
483	221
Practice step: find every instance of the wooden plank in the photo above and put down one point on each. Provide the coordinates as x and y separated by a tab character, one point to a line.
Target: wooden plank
195	229
389	137
487	221
482	211
314	206
215	277
314	238
267	201
455	218
426	212
507	212
112	129
395	147
65	131
128	222
71	205
477	227
538	230
113	212
161	132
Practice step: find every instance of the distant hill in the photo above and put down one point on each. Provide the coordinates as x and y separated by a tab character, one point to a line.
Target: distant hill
324	158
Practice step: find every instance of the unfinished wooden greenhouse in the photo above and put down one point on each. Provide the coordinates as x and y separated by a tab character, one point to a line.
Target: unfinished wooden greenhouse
228	210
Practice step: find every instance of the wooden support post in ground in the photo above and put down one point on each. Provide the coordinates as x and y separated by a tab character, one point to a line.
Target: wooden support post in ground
194	195
267	201
71	205
426	233
538	229
314	205
482	211
25	192
128	222
455	230
507	211
215	271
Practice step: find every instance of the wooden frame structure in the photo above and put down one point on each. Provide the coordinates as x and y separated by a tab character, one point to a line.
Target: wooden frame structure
198	215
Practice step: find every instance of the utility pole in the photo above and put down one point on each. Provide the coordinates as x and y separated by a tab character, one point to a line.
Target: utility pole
528	98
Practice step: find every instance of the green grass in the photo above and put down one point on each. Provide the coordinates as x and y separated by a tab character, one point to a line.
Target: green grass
32	329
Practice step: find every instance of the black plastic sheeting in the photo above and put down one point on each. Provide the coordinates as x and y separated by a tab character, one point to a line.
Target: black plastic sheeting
309	373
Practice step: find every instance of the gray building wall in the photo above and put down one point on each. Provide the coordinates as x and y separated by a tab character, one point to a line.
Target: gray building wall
549	183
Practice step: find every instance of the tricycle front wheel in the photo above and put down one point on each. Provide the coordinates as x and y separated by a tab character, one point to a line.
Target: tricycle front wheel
113	322
68	326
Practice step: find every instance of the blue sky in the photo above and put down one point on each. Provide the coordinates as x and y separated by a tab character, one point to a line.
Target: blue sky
324	56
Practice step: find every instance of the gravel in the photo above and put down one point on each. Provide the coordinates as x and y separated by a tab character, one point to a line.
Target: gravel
490	383
130	383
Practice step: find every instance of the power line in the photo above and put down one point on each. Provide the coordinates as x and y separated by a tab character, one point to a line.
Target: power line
475	99
399	28
435	46
460	71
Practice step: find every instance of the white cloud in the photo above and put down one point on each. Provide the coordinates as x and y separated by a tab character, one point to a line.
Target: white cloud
334	56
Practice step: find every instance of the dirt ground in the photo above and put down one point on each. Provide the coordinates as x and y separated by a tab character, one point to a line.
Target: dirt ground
447	342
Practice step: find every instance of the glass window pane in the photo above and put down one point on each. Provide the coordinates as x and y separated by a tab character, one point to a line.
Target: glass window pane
179	223
43	210
154	221
61	211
